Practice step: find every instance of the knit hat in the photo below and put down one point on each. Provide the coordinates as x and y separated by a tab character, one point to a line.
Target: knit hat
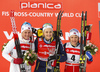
74	32
47	25
26	26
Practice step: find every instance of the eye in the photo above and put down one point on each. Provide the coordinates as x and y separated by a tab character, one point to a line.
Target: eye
46	31
76	37
71	37
50	32
25	32
29	32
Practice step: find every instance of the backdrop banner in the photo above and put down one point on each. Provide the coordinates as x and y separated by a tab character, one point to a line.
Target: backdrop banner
39	12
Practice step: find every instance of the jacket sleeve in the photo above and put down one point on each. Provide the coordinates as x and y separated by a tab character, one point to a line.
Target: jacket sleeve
8	48
36	45
63	56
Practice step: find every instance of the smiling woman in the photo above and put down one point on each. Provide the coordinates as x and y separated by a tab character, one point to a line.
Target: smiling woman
15	48
26	30
74	37
45	47
72	50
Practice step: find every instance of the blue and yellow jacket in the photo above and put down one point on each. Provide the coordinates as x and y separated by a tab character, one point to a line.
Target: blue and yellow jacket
41	48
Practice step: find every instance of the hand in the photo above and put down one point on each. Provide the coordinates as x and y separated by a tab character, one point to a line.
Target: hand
52	58
53	64
18	61
33	30
61	34
89	56
31	63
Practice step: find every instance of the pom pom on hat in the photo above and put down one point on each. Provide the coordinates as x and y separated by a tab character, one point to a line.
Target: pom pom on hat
26	26
74	32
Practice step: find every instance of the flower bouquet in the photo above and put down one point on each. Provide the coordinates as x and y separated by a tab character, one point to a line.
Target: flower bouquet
4	46
92	48
29	56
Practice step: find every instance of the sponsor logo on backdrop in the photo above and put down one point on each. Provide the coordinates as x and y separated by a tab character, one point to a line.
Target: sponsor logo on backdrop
41	5
99	9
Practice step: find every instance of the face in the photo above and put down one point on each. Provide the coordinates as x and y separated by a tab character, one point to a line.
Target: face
74	40
48	33
26	34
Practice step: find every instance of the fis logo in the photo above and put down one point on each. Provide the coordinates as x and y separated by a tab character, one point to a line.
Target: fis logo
99	9
41	5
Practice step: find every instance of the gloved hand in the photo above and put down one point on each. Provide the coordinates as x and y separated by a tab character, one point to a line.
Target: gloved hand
53	64
61	34
18	61
39	33
33	30
31	63
89	56
51	58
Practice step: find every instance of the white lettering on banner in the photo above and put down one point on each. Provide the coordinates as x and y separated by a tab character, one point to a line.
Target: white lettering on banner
99	10
23	14
40	14
11	35
66	14
67	35
78	15
5	13
41	5
33	14
7	35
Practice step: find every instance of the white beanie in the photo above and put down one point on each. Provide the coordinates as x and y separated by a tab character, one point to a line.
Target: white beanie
26	26
47	25
74	32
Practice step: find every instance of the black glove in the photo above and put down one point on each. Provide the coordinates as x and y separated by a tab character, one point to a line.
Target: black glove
33	30
60	33
54	57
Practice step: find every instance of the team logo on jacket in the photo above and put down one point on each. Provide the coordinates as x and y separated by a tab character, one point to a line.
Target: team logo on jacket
67	50
40	45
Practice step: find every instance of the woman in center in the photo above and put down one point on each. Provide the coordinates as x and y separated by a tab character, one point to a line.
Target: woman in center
44	46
